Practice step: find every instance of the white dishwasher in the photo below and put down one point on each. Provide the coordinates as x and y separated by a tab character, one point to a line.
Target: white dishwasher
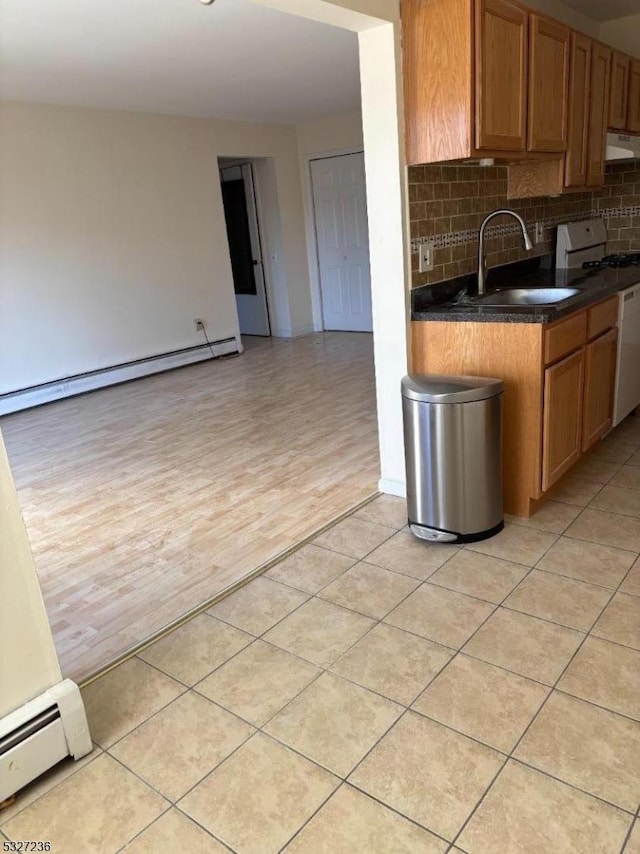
627	389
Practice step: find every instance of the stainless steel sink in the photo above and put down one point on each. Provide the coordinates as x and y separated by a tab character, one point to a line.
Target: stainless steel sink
527	296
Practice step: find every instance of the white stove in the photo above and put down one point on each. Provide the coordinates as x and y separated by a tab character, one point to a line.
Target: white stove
583	245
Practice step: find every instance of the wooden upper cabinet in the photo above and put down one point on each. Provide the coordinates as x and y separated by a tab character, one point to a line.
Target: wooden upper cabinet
548	82
618	91
437	61
489	78
579	98
501	75
633	111
599	110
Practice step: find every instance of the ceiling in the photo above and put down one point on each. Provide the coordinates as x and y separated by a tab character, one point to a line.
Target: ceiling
231	60
605	10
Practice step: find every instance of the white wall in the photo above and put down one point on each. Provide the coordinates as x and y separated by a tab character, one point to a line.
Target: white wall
112	236
623	33
330	133
28	661
377	23
387	207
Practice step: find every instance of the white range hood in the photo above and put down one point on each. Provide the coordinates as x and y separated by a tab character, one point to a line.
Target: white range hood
621	147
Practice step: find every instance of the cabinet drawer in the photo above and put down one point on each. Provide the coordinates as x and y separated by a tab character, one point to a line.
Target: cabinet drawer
564	337
602	317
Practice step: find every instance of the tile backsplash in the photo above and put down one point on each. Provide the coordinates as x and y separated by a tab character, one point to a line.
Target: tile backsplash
448	203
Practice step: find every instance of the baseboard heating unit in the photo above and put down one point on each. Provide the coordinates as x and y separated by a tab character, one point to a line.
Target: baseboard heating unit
15	401
40	734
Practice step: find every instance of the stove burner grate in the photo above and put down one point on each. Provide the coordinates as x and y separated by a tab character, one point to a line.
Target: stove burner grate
625	259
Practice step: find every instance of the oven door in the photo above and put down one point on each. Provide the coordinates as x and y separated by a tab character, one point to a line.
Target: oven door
627	389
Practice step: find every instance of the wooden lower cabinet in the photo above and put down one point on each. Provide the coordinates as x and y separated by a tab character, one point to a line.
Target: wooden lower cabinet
513	352
558	388
599	379
562	417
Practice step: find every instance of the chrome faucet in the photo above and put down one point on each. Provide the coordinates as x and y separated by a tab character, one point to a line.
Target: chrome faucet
482	260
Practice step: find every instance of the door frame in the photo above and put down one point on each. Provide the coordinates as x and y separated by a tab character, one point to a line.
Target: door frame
312	229
239	162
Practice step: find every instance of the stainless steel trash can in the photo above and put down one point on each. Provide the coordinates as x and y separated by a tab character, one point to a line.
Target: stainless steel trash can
453	455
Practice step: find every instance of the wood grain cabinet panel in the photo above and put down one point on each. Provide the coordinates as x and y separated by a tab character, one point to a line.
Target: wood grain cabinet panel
562	417
602	316
633	111
549	44
437	61
563	337
490	78
618	91
598	112
579	95
501	75
511	351
599	380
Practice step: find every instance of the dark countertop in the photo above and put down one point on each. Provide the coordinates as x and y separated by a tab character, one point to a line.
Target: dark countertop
449	300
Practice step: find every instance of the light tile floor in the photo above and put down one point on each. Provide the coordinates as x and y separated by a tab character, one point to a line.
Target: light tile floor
372	693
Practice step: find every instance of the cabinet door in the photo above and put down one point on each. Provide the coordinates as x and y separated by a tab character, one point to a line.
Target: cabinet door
599	379
578	132
501	75
633	114
599	110
548	84
562	417
619	91
437	69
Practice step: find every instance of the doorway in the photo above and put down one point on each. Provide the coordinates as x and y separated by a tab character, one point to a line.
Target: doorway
245	248
340	211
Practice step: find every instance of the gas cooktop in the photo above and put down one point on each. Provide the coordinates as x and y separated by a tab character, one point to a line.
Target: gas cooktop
625	259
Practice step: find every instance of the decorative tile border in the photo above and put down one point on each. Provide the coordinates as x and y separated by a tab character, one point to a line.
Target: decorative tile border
609	213
470	235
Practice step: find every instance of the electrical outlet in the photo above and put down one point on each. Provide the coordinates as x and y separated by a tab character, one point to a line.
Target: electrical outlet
425	258
199	324
539	232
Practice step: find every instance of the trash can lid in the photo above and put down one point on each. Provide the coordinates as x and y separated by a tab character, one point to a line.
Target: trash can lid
439	388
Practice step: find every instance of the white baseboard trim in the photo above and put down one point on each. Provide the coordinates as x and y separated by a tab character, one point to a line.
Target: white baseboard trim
288	332
40	734
303	330
393	487
57	390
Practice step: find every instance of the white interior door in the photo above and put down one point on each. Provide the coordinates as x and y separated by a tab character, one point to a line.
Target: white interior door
243	233
340	207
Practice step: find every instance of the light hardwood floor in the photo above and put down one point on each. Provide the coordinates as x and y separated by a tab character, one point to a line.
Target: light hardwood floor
145	499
